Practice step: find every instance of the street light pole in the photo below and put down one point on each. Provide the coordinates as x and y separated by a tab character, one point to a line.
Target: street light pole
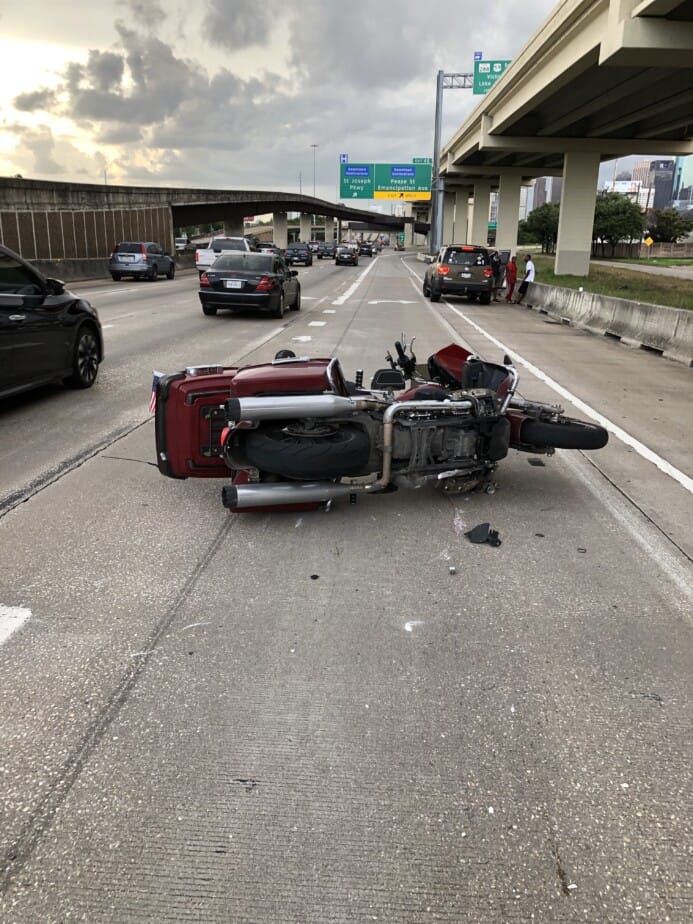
444	82
314	147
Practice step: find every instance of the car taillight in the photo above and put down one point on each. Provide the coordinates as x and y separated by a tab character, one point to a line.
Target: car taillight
144	252
197	256
264	285
488	271
204	280
443	269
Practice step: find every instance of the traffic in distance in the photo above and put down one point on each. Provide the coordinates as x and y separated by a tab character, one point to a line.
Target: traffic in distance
48	334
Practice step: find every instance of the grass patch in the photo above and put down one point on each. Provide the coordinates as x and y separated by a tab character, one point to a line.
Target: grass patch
651	261
619	283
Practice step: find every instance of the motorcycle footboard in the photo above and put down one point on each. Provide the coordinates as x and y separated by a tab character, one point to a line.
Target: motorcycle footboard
188	422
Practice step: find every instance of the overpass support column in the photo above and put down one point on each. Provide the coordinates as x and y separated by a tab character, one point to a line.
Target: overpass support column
461	229
482	203
508	212
578	199
306	228
329	229
281	236
449	229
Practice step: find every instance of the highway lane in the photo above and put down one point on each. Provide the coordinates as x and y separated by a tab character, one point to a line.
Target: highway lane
309	718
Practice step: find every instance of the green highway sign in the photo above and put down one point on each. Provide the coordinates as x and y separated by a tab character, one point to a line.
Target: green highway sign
386	181
486	73
422	160
356	181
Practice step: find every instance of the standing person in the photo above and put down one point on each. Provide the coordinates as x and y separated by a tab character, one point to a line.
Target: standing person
510	278
528	277
497	268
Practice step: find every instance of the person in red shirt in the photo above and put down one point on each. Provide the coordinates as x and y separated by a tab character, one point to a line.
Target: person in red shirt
510	278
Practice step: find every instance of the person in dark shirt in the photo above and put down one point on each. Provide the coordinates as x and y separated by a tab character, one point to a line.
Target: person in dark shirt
497	267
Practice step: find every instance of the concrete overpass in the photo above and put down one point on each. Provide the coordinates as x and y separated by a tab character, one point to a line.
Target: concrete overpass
598	80
76	224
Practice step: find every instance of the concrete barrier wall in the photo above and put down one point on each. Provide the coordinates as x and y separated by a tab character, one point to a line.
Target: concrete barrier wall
82	234
669	331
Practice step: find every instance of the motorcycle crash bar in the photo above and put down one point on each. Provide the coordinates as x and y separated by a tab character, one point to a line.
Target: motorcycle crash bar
282	407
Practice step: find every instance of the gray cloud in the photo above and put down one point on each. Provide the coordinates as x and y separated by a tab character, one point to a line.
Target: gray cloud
239	24
35	101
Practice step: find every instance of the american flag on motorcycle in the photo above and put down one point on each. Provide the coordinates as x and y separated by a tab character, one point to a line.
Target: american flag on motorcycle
152	400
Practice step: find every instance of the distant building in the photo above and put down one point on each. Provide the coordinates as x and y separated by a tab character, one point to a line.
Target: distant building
643	195
547	189
641	172
661	178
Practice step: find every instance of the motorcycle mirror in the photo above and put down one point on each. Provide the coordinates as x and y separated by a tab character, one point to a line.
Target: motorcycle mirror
507	361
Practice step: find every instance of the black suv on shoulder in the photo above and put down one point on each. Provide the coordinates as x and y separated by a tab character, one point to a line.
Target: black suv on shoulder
47	333
141	260
460	269
298	253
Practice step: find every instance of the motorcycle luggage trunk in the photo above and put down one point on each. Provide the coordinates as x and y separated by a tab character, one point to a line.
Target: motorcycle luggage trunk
189	419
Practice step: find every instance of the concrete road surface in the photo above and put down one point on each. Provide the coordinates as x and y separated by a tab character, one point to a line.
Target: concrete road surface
278	718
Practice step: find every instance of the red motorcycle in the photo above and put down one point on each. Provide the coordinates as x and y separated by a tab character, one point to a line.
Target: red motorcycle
295	434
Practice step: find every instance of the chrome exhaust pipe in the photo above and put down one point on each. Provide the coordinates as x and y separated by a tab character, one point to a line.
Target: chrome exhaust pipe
284	407
242	496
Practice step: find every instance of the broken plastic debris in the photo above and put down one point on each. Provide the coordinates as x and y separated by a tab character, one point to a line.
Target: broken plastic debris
484	533
452	569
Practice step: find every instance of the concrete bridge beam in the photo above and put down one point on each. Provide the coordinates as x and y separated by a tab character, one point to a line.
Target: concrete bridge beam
482	202
508	212
578	199
281	233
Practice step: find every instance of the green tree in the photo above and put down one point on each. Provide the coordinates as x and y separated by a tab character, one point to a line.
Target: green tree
542	223
669	225
617	218
524	235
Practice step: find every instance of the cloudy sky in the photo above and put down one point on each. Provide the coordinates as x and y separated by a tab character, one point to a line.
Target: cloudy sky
234	93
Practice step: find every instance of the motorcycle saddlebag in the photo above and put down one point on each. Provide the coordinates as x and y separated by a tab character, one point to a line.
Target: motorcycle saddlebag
189	419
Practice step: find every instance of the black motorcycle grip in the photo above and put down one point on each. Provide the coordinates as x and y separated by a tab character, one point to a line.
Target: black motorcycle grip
233	410
229	496
400	351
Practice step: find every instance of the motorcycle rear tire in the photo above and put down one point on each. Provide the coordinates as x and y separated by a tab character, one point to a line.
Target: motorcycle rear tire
272	450
564	433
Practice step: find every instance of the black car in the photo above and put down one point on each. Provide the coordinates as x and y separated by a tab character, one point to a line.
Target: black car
365	249
326	250
346	255
47	333
299	253
250	280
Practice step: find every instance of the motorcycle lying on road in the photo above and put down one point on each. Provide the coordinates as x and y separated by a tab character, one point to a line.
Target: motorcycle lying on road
295	434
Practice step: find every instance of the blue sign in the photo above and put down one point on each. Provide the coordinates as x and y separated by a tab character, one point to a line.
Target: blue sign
478	55
358	170
397	170
343	158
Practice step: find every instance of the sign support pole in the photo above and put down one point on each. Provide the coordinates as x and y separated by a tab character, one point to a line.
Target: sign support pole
444	82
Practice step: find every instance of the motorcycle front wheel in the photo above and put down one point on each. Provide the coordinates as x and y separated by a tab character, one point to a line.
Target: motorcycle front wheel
277	450
564	433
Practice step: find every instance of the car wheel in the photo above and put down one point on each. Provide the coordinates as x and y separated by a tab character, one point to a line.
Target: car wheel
153	274
297	303
172	271
434	296
115	277
426	290
485	299
278	312
209	309
85	359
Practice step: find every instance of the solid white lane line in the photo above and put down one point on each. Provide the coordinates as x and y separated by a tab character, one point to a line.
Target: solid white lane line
588	411
11	619
354	286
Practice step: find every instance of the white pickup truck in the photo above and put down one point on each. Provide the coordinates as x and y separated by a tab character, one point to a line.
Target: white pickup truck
205	256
